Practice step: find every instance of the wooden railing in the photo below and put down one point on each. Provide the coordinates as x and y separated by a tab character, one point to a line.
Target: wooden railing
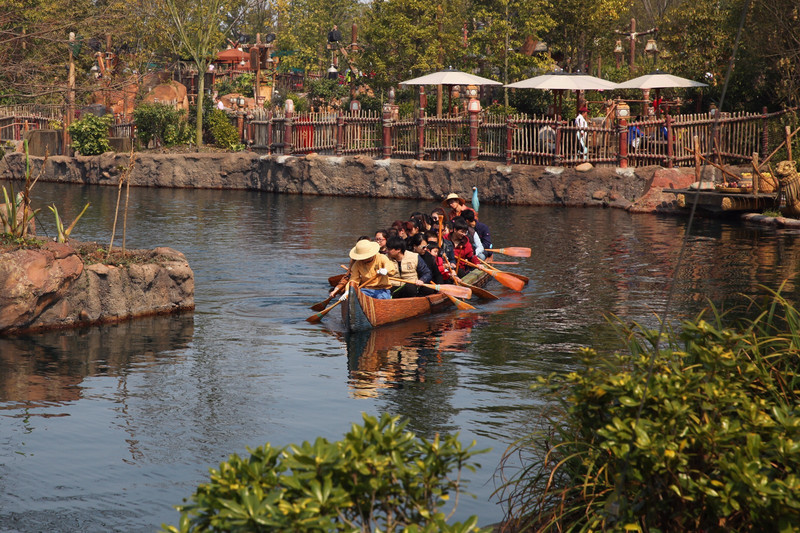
519	139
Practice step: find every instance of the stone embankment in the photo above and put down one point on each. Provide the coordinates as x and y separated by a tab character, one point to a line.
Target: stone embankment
634	189
52	287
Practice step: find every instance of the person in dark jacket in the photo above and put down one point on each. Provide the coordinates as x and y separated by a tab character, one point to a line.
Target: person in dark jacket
413	270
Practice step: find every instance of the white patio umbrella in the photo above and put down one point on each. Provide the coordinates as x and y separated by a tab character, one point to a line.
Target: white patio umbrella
449	77
558	82
659	80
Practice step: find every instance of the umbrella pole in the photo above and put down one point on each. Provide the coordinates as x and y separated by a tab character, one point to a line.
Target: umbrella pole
439	101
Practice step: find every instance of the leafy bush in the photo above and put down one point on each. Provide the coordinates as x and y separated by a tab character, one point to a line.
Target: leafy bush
325	90
710	442
379	477
224	133
163	123
242	84
90	134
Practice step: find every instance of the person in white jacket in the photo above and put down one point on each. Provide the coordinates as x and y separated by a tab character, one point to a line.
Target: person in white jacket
583	135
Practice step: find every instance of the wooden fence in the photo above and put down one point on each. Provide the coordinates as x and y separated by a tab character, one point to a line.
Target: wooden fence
668	140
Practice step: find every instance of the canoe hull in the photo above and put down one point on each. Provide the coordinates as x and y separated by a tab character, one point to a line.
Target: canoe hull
362	313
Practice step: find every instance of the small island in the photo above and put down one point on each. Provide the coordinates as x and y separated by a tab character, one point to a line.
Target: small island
51	285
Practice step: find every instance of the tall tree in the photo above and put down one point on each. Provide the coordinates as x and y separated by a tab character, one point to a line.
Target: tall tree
198	29
501	29
407	38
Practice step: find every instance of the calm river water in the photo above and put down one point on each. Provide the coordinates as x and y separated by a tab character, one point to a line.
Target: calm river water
105	429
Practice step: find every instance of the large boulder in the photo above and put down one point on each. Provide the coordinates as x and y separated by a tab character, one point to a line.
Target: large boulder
54	287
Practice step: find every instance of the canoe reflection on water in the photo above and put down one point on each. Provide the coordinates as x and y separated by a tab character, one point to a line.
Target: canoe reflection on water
388	357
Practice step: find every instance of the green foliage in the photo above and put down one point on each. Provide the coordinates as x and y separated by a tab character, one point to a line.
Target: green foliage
90	134
162	123
16	214
224	133
379	477
64	233
324	90
242	84
709	441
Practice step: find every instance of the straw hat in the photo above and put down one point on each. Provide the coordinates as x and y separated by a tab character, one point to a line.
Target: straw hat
453	196
364	249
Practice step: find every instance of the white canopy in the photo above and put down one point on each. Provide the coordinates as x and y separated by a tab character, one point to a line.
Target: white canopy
558	81
450	77
659	80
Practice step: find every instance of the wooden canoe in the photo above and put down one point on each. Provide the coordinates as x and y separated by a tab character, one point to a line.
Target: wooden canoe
362	313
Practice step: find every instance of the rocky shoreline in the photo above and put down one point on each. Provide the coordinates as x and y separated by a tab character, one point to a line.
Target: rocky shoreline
635	189
56	286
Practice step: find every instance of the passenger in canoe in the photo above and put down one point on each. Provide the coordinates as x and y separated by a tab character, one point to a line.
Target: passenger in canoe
380	237
371	270
456	204
346	278
482	230
474	239
462	247
419	245
413	269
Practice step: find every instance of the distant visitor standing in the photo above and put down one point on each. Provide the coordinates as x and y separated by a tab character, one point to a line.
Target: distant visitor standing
583	135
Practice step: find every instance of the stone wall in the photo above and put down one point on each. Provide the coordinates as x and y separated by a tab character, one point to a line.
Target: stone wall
636	189
51	287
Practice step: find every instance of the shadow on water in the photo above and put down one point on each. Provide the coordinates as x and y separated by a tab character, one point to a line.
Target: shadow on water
48	368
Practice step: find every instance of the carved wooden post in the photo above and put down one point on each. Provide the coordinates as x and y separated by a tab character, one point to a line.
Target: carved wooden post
269	133
421	135
509	140
670	140
288	147
474	109
557	154
623	142
387	131
339	132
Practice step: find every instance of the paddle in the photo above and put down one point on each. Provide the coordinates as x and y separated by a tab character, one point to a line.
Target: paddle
459	303
319	306
452	290
513	251
503	278
479	292
314	319
526	279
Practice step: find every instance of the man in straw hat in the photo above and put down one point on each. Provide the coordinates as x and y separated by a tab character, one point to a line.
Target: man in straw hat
371	269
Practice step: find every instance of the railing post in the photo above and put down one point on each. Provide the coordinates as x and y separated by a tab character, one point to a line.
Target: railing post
474	110
288	147
421	135
270	118
623	142
764	131
557	159
387	131
339	132
670	140
240	125
509	140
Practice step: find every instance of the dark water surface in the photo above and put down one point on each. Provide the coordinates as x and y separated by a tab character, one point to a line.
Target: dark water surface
105	429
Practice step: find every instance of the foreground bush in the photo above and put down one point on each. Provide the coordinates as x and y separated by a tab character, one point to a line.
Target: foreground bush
378	478
705	436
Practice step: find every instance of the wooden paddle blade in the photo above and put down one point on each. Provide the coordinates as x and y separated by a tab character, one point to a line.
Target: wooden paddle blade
334	280
464	306
507	280
513	251
525	279
452	290
482	293
315	319
319	306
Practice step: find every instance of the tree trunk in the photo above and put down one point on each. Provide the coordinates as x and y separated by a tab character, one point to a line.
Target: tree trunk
201	82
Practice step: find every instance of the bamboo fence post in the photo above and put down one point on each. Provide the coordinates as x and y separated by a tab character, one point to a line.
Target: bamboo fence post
789	143
764	131
696	140
756	175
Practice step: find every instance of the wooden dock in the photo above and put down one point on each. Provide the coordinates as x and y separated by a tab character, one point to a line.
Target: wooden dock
726	202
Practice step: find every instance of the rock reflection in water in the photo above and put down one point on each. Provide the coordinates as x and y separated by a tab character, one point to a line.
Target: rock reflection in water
388	357
49	367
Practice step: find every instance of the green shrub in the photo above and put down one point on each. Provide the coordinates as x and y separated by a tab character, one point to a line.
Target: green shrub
224	133
380	477
163	123
714	445
242	84
90	134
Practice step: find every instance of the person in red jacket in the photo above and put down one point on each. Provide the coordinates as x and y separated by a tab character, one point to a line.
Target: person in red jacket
463	248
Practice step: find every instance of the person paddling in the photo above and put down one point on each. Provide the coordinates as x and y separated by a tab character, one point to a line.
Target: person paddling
413	269
371	269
